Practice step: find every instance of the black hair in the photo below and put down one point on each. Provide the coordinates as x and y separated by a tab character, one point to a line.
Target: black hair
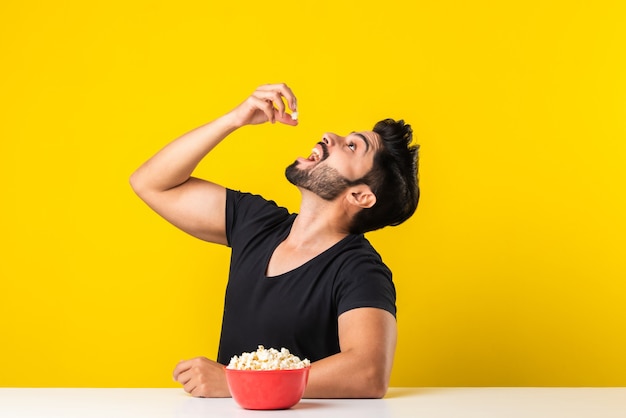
393	179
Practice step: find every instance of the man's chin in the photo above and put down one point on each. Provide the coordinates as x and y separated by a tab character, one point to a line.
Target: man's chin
293	173
327	184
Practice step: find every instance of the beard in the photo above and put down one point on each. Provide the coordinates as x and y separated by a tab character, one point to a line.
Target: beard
326	182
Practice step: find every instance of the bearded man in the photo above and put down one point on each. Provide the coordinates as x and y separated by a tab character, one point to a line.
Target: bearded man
310	282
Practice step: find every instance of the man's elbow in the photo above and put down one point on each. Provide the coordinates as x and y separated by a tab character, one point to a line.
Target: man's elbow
375	392
379	390
137	183
375	383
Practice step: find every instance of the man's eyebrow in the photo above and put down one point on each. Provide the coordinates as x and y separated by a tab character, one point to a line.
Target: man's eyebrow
364	138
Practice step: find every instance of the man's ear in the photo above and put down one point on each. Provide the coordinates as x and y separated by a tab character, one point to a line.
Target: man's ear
362	196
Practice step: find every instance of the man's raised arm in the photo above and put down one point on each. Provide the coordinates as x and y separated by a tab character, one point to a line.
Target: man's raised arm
197	206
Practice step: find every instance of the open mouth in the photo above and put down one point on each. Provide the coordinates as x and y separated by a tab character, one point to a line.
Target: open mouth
318	153
315	155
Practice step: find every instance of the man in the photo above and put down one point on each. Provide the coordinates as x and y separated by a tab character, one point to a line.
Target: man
309	282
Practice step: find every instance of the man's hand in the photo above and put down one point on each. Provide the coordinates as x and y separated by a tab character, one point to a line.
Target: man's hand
266	104
202	378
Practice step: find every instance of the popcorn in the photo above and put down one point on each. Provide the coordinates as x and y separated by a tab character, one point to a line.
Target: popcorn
294	115
271	359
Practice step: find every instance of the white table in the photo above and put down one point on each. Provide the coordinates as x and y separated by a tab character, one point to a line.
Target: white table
399	402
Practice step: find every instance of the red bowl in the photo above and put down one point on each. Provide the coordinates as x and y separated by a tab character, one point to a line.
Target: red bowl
267	389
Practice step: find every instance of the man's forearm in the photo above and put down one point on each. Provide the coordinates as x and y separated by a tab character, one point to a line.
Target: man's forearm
345	376
174	164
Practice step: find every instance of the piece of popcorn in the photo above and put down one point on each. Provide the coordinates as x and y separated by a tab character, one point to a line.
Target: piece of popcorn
271	359
294	115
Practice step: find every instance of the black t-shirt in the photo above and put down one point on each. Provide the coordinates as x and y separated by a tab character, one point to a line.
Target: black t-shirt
297	310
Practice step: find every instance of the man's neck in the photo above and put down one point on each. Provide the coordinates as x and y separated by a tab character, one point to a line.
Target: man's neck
319	223
319	226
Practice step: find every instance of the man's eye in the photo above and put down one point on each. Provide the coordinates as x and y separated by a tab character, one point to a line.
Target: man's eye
352	146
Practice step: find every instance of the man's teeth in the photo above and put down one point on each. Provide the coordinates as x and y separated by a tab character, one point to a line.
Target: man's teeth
315	156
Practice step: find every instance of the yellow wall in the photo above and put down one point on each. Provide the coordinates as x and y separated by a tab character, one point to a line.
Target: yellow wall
512	272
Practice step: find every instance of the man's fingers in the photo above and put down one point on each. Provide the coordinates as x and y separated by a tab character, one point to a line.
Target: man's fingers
287	119
274	100
202	377
181	367
198	392
190	386
284	91
185	377
290	97
265	106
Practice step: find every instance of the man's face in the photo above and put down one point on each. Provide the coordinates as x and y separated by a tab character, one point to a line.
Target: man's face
335	163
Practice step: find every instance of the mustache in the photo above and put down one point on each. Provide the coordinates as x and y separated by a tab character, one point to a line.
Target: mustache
324	150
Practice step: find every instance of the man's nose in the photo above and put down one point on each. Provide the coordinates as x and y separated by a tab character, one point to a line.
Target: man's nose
329	138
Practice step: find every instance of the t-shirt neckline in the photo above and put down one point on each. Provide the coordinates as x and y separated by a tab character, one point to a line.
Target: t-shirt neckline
283	236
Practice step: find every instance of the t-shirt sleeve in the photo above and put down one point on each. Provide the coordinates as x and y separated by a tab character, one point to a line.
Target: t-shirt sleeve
248	213
365	282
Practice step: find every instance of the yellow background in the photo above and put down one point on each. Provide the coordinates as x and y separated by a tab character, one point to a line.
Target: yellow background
512	272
